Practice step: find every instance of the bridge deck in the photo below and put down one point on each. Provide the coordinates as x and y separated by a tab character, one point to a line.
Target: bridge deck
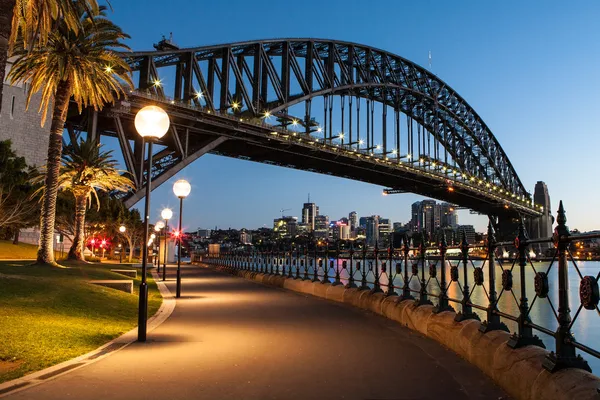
233	339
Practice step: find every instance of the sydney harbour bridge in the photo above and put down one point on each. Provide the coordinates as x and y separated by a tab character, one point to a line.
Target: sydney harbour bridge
325	106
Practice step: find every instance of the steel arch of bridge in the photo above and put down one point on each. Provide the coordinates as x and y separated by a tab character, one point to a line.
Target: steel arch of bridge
429	126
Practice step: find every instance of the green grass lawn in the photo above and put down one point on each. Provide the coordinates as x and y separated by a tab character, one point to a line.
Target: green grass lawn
10	251
49	315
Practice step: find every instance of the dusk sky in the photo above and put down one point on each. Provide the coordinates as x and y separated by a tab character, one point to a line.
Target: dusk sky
529	69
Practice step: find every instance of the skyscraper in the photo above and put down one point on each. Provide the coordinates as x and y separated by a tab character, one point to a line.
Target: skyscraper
428	216
362	222
309	212
353	219
448	215
541	226
321	226
372	230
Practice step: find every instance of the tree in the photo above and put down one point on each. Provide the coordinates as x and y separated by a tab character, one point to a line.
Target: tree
86	170
17	206
80	64
32	21
134	229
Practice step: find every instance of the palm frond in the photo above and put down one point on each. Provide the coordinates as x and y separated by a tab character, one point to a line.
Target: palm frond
85	57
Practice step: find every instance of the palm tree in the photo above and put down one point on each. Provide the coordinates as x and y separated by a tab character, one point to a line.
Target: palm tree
32	21
87	169
80	64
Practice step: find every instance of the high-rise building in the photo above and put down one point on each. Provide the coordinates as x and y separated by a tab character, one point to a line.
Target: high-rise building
429	217
341	231
285	227
372	234
362	222
353	219
309	212
448	215
385	226
469	231
416	220
321	226
541	227
426	216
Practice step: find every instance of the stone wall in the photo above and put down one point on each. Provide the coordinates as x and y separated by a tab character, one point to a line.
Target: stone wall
29	138
518	371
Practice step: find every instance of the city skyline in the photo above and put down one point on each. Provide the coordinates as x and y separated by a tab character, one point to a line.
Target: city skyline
506	82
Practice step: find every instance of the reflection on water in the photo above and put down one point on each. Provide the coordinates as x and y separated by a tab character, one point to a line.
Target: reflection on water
542	310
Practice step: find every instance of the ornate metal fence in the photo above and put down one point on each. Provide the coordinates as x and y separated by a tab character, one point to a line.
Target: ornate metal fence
492	282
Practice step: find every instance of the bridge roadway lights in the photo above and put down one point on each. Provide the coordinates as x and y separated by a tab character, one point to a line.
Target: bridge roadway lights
151	123
182	189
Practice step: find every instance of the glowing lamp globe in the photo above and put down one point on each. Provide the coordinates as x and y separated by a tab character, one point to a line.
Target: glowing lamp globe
166	213
122	228
153	236
152	122
182	188
159	225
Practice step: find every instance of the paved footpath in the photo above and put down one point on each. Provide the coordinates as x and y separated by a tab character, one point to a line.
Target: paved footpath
229	338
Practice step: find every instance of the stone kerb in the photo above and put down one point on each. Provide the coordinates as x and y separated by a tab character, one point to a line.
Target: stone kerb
122	285
518	371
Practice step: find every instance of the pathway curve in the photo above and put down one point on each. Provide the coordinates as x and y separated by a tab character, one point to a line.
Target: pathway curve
229	338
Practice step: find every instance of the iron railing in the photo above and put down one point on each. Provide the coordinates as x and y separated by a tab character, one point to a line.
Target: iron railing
416	270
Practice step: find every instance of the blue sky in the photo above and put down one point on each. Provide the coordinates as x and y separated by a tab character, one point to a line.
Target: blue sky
530	70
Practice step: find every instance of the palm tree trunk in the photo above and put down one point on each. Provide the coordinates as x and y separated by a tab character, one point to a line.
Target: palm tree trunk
48	215
6	16
76	250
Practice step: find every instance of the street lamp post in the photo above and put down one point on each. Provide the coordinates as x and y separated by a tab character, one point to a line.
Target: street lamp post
122	229
152	123
182	189
159	225
166	214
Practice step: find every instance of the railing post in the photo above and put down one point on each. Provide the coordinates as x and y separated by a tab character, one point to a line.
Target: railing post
443	304
326	263
422	300
286	260
305	262
466	311
363	280
272	260
337	280
524	336
390	289
493	322
376	285
351	283
565	356
316	265
406	295
297	265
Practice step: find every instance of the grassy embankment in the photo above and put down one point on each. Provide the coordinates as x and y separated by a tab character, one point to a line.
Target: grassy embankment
49	315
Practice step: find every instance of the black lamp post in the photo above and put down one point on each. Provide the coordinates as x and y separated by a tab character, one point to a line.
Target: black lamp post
182	189
166	214
157	227
151	123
